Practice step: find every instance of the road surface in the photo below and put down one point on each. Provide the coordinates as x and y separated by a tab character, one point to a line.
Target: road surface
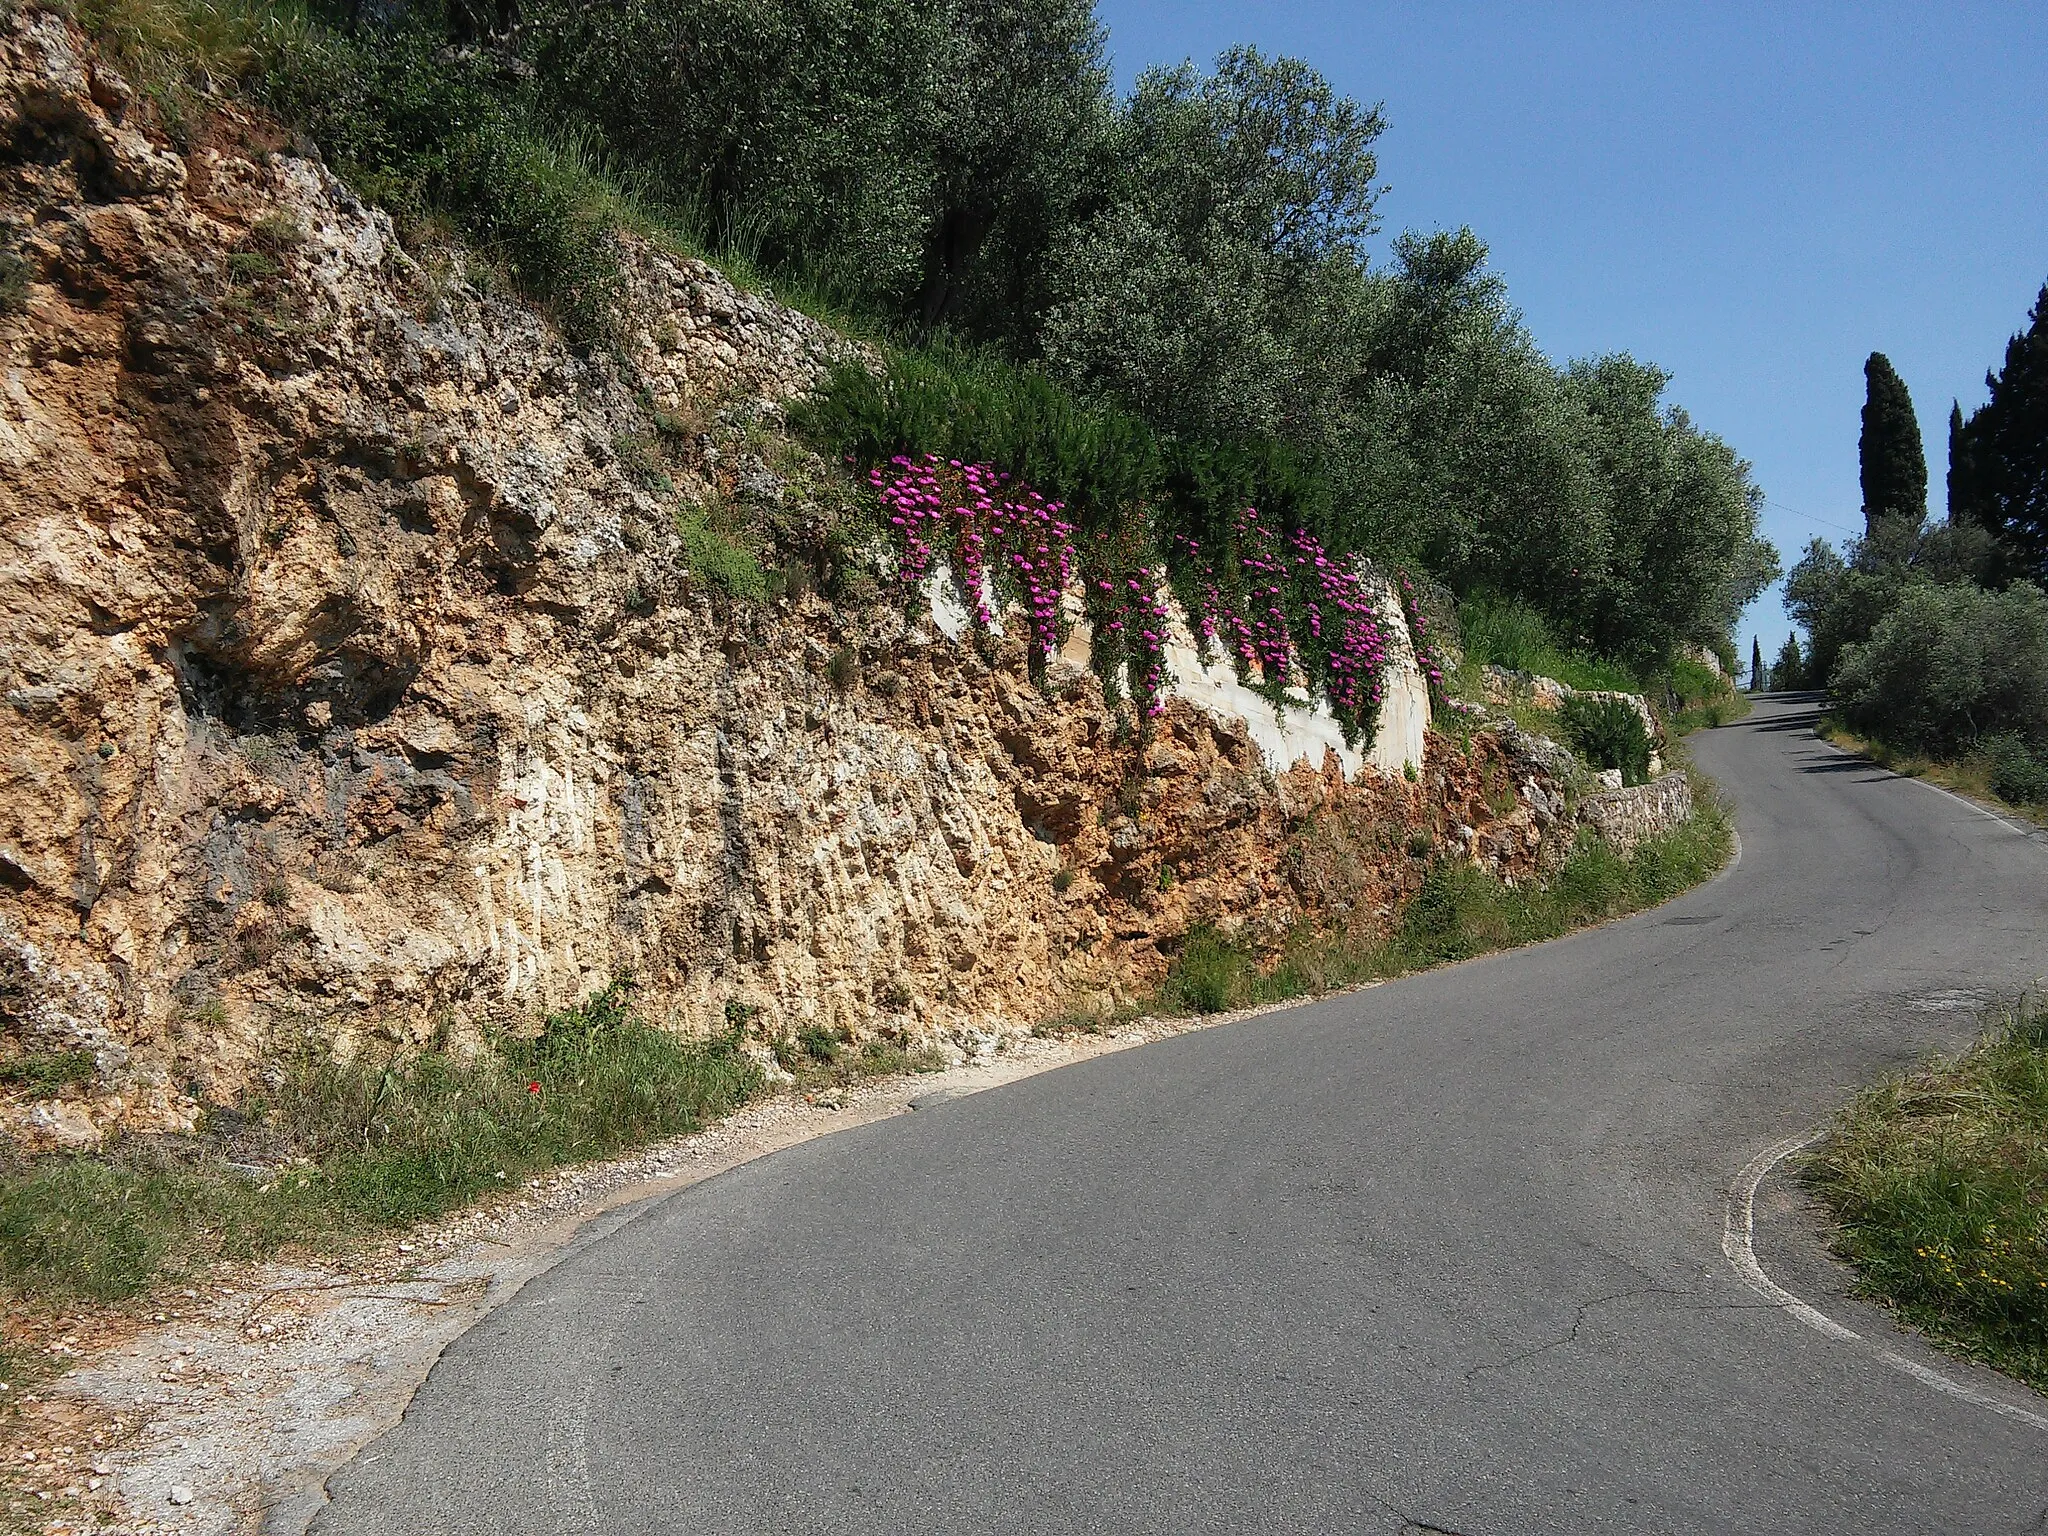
1446	1255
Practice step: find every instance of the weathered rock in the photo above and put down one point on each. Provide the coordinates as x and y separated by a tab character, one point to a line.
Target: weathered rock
356	684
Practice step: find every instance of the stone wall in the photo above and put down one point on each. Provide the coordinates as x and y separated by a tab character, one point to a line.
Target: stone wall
1626	818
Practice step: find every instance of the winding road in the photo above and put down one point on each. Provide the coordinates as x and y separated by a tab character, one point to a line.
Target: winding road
1442	1255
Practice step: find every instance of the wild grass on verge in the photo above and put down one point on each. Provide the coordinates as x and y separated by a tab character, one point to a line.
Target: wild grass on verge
1511	634
370	1145
1935	1179
1461	911
1973	777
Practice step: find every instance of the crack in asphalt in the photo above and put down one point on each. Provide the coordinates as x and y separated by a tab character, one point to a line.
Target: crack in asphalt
1571	1335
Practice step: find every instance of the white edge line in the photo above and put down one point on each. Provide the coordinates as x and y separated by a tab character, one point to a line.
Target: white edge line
1738	1243
1963	800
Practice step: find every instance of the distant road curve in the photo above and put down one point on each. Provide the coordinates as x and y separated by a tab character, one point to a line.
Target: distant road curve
1443	1255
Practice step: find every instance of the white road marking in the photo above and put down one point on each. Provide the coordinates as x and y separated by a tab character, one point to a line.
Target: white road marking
1963	800
1738	1243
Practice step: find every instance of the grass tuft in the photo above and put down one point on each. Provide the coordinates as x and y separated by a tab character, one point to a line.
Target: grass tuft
359	1147
1935	1179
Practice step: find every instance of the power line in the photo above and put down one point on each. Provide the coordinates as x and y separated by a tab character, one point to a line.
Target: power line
1824	522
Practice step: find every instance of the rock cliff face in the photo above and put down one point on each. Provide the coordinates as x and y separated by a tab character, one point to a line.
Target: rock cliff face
357	681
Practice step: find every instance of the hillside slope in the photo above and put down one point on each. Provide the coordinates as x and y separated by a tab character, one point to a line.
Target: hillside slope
362	679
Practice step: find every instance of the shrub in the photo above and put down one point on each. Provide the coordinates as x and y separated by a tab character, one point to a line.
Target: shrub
1608	733
43	1073
1212	974
14	273
718	560
1948	664
2018	774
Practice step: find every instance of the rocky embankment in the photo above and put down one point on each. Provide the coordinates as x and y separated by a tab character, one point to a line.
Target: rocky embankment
358	684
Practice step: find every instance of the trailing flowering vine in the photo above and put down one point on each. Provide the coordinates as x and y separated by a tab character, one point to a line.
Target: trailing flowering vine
1001	538
1005	542
1285	604
1428	653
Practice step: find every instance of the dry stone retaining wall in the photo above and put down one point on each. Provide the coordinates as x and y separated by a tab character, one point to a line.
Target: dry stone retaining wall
1627	818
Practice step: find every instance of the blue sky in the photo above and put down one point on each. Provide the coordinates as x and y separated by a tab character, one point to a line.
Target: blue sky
1754	197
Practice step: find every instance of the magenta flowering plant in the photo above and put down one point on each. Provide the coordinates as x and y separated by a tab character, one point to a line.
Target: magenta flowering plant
1429	652
1003	542
1128	613
1008	547
1280	605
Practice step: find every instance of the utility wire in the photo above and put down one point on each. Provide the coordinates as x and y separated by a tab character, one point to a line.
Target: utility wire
1824	522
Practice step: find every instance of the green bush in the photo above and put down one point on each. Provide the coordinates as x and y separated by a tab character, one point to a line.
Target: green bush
1948	664
717	560
2018	773
1608	733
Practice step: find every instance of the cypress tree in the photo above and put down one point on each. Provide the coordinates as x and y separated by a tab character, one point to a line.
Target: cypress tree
1790	671
1756	664
1893	460
2007	442
1961	504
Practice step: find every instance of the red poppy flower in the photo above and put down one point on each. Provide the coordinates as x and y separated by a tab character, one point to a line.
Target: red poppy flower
533	1087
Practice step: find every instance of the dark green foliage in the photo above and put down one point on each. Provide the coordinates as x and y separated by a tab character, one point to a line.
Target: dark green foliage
1962	498
1608	733
1947	665
1757	679
1892	458
1199	285
14	272
1791	670
2018	772
2005	447
1934	1178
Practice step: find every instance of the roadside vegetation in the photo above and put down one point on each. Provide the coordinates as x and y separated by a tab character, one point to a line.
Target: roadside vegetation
1461	912
1976	775
1934	1178
329	1152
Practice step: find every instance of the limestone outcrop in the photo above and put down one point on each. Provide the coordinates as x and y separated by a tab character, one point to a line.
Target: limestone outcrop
358	681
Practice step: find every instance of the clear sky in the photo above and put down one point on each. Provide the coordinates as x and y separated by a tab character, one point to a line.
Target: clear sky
1754	197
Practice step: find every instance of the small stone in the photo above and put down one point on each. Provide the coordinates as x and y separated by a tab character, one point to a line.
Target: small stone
180	1494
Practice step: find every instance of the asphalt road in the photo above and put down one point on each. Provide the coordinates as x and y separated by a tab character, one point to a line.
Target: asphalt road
1441	1255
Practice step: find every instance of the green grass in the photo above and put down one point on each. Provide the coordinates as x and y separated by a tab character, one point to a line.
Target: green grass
1505	633
1711	713
358	1148
1935	1179
1461	911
